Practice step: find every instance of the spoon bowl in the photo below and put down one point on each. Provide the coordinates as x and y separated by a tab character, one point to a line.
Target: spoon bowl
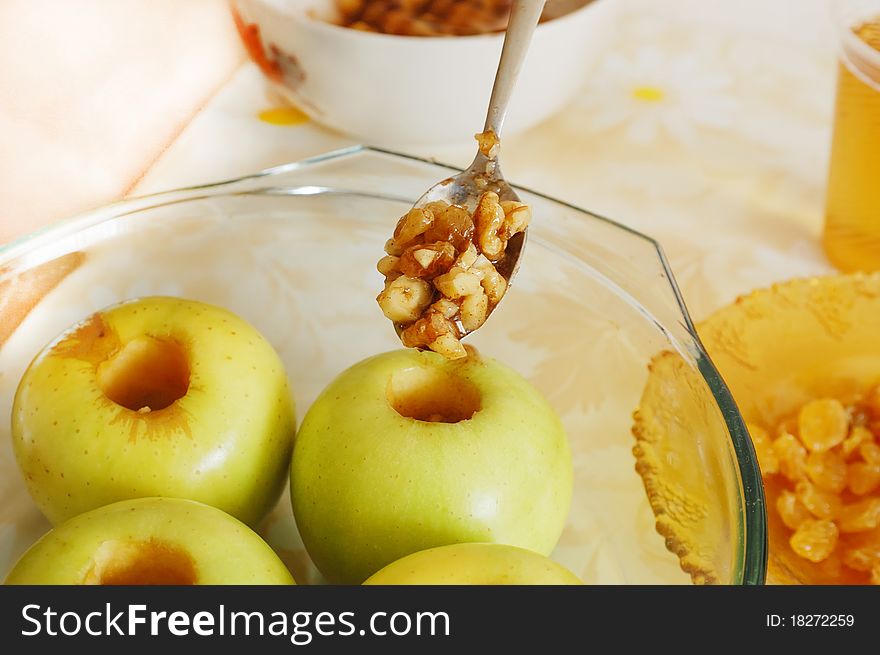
464	190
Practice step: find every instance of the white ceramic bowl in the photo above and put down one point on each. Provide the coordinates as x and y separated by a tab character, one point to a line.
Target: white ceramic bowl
401	90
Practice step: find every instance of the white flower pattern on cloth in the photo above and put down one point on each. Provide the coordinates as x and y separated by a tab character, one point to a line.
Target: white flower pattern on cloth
652	91
722	158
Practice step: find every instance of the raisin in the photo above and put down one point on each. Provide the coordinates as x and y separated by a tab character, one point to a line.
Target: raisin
822	424
767	458
821	504
857	436
427	261
870	452
411	226
814	540
827	470
453	224
792	457
862	559
862	478
872	402
861	516
791	510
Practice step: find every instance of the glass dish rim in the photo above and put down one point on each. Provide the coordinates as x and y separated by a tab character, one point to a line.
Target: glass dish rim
753	559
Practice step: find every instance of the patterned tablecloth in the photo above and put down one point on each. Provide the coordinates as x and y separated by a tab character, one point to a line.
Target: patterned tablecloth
706	125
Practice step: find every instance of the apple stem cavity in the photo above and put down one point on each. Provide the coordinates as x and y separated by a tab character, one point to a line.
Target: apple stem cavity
432	395
147	374
150	562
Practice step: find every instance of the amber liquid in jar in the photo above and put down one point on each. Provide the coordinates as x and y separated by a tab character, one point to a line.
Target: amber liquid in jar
852	212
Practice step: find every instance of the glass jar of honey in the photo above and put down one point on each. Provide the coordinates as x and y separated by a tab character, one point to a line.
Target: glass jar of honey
852	212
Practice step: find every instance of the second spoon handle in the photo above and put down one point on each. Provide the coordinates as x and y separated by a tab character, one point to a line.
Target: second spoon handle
524	16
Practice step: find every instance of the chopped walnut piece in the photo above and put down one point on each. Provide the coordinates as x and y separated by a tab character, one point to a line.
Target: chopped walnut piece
424	17
427	260
457	283
446	308
393	249
428	329
387	266
449	346
493	282
474	310
404	299
488	143
467	258
517	217
489	220
440	279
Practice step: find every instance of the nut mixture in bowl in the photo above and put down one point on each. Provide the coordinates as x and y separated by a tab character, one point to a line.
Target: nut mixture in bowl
425	17
437	17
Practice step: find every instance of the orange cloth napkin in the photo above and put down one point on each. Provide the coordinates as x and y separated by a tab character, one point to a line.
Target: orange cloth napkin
92	92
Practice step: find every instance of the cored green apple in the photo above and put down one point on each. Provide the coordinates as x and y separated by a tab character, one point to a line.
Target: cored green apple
474	564
408	450
151	541
155	397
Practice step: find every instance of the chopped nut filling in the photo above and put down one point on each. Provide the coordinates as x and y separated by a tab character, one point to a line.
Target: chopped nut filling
425	17
441	280
488	143
824	463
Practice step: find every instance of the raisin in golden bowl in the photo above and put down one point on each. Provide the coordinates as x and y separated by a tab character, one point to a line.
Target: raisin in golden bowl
802	360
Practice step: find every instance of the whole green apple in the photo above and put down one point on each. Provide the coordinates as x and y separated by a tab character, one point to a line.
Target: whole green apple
155	397
151	541
474	564
408	450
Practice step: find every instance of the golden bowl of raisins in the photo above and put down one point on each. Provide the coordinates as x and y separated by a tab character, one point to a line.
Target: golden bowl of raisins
802	360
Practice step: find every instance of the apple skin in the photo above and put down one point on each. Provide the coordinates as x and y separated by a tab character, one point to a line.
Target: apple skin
369	485
226	443
474	564
218	549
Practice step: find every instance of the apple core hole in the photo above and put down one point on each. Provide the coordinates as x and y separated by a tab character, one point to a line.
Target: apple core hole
150	562
432	395
146	373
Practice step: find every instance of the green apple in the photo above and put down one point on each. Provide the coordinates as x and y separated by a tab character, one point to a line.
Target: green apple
474	564
155	397
151	541
408	450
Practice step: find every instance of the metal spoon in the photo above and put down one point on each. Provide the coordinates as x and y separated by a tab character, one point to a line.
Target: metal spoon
484	174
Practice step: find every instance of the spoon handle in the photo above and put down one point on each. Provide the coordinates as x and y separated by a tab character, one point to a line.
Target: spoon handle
524	15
